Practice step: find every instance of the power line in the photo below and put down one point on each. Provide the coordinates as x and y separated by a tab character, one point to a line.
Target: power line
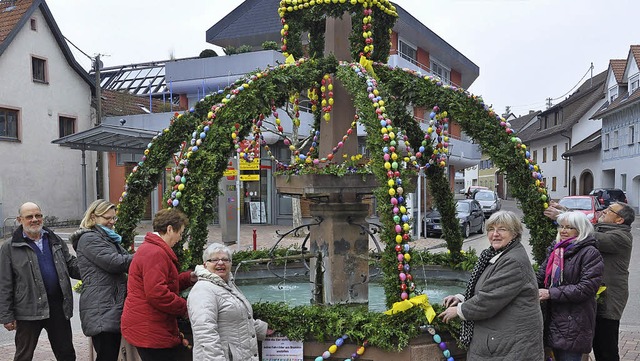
546	102
80	50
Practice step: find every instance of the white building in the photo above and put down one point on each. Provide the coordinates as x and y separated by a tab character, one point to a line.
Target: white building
44	94
620	115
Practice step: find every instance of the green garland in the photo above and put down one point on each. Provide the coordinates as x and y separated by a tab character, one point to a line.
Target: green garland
220	119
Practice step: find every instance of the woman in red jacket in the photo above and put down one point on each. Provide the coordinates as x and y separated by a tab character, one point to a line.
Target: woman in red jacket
153	304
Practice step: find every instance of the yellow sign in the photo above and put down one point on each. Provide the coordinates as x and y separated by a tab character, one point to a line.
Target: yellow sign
249	177
253	165
230	173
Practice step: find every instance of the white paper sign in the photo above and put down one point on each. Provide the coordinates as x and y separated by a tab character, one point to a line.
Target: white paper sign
281	349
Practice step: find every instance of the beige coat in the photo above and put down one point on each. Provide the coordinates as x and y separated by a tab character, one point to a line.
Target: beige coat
222	321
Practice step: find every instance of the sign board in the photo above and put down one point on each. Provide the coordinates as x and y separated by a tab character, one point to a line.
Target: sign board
258	212
249	177
281	349
230	172
253	165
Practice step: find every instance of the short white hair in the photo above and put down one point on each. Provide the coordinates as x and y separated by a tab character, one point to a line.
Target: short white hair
215	248
577	220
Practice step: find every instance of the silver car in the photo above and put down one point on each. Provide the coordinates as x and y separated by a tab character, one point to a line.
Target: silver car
489	201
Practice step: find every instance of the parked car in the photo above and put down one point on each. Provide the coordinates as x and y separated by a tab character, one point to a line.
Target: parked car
473	189
608	195
588	205
468	212
489	201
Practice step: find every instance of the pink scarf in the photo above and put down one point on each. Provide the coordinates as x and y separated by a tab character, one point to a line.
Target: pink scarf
555	265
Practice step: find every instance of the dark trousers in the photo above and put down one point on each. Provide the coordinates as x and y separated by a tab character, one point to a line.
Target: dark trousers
158	354
107	345
605	340
59	332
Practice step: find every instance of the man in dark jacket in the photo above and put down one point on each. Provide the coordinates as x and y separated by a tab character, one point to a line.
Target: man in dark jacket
35	289
614	241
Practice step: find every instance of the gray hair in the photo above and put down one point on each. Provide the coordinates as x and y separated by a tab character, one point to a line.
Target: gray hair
577	220
626	212
508	220
215	248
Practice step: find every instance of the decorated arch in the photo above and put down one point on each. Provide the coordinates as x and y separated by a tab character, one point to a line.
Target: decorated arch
211	132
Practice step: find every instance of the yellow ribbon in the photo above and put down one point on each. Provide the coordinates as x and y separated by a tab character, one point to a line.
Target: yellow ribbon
368	65
421	301
290	59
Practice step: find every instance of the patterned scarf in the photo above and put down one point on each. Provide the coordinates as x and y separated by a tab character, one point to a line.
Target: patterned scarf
483	261
555	265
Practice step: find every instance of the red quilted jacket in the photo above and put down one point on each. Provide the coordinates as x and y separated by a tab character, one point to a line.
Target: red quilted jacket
153	302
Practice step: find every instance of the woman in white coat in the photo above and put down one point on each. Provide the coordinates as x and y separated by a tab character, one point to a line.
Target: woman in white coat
221	317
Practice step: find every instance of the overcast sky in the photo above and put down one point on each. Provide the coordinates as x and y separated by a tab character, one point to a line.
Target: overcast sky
527	50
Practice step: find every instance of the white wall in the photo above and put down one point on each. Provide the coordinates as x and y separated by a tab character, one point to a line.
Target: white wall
34	169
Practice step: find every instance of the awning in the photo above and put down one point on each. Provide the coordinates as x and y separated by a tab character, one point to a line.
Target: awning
109	138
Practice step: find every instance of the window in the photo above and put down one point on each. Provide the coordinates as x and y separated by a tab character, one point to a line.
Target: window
553	183
554	156
39	69
407	52
605	142
631	135
441	71
623	182
544	155
614	140
8	124
634	82
535	156
34	25
613	93
556	117
67	126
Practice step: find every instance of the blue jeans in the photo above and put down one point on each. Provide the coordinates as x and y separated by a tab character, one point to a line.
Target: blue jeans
562	355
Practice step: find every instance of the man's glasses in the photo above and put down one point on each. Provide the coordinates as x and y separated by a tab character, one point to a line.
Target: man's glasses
216	260
30	217
609	209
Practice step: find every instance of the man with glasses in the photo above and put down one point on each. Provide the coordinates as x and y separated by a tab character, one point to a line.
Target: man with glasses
35	289
614	240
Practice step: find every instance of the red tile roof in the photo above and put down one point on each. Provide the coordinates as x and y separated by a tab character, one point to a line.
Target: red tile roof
635	50
618	66
10	14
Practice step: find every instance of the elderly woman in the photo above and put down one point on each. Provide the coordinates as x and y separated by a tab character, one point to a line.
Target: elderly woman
500	309
221	317
569	279
103	265
153	304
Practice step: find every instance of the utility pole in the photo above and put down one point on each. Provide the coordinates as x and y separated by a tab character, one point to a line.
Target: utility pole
549	103
97	64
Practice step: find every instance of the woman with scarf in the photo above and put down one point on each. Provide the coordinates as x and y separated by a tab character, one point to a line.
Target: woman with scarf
500	309
103	265
221	317
569	279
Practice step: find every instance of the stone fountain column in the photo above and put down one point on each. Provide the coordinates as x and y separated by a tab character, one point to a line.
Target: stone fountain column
339	239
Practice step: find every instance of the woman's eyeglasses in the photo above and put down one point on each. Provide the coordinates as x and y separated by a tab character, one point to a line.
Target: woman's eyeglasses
109	219
568	228
216	260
